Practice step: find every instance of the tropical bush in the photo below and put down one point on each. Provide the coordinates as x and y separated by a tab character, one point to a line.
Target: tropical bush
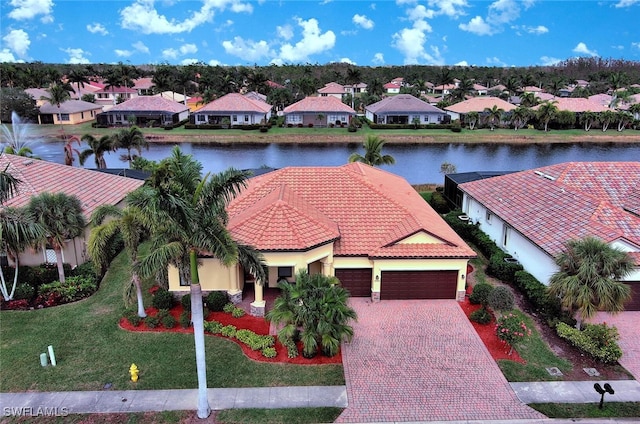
186	302
228	331
511	329
597	340
216	300
480	294
74	288
439	203
151	321
481	316
269	352
290	345
213	327
237	312
163	299
132	316
228	308
24	291
501	299
185	319
169	321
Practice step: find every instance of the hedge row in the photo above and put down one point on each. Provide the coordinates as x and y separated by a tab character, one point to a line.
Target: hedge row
597	340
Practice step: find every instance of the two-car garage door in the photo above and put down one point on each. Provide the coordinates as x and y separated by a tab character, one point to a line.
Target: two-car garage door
634	303
401	284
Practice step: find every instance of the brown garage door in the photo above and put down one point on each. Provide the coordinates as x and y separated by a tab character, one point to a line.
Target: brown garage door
356	280
634	303
419	285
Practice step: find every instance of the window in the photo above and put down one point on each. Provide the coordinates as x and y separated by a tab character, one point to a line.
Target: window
201	118
81	115
246	118
294	118
506	233
64	116
118	117
285	272
235	118
488	217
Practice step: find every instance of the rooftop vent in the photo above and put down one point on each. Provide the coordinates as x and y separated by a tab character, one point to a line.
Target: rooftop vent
543	175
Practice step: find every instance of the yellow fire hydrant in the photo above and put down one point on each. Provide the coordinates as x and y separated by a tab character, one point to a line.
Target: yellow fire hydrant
133	370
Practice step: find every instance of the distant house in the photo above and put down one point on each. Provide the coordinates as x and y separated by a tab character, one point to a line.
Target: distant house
70	112
480	90
332	89
38	94
531	89
532	214
111	96
443	89
355	89
602	99
147	110
92	188
144	86
238	109
576	104
392	87
404	109
318	111
477	104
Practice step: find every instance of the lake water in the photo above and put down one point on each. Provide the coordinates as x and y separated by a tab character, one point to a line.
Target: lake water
416	163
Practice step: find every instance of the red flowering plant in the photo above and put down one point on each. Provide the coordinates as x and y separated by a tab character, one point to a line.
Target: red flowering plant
512	330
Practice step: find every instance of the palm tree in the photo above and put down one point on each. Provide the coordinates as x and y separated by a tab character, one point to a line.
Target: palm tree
493	116
129	225
8	184
546	112
18	230
375	88
61	217
463	89
520	116
589	278
78	76
623	118
189	217
528	99
69	150
587	119
606	118
130	138
472	119
373	153
58	94
97	147
635	109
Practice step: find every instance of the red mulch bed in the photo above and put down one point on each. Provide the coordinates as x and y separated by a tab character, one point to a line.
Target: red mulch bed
247	322
487	332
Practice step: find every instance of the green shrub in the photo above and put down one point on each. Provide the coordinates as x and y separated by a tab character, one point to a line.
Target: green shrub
162	313
132	316
228	331
216	300
480	294
501	269
163	299
185	319
597	340
229	307
205	312
87	270
292	348
74	288
501	299
439	203
269	352
213	327
253	340
151	322
238	312
24	291
537	294
481	316
169	321
186	302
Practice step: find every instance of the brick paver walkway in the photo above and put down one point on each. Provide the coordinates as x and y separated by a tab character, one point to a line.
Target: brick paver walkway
420	360
627	324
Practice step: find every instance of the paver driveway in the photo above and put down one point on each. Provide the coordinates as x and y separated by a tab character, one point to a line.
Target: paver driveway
420	360
627	324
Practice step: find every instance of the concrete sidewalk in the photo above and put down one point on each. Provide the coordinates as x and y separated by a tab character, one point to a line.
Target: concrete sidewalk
108	401
576	391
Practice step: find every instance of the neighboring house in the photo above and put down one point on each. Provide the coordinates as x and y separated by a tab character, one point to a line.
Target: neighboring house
195	103
332	89
318	111
147	110
92	188
477	104
355	89
234	108
452	192
274	85
366	226
480	90
403	109
173	95
70	112
38	94
144	86
443	90
110	96
543	97
576	104
602	99
532	89
392	87
532	214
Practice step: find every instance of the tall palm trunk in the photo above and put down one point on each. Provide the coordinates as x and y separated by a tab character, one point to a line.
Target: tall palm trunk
58	249
197	317
136	282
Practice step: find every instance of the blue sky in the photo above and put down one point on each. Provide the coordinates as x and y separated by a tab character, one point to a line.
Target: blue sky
364	33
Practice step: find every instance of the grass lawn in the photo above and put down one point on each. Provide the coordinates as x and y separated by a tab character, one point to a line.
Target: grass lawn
588	410
92	350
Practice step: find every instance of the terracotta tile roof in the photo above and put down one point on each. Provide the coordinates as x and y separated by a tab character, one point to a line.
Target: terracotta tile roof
602	98
143	83
392	85
478	104
326	104
92	188
557	203
116	90
236	102
542	96
532	89
273	84
70	106
405	103
149	103
366	209
576	104
332	88
479	87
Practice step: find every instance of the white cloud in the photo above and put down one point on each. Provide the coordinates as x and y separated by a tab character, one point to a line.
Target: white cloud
142	16
462	63
540	29
549	61
123	53
313	42
7	56
76	56
362	21
188	48
636	45
450	8
247	49
191	61
420	12
97	28
170	53
495	61
214	62
185	49
378	59
29	9
285	31
139	46
582	48
618	47
18	41
477	26
627	3
347	60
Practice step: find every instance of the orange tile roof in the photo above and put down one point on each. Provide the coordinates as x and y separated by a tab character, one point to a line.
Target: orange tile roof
236	102
557	203
149	103
576	104
365	209
332	88
91	187
326	104
478	104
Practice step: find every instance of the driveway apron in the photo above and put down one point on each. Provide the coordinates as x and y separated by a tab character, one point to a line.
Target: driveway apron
421	360
627	325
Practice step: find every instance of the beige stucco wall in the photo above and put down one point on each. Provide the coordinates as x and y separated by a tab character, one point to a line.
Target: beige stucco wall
213	276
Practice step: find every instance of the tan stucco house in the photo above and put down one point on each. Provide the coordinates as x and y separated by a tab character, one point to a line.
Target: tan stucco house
92	188
366	226
70	112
